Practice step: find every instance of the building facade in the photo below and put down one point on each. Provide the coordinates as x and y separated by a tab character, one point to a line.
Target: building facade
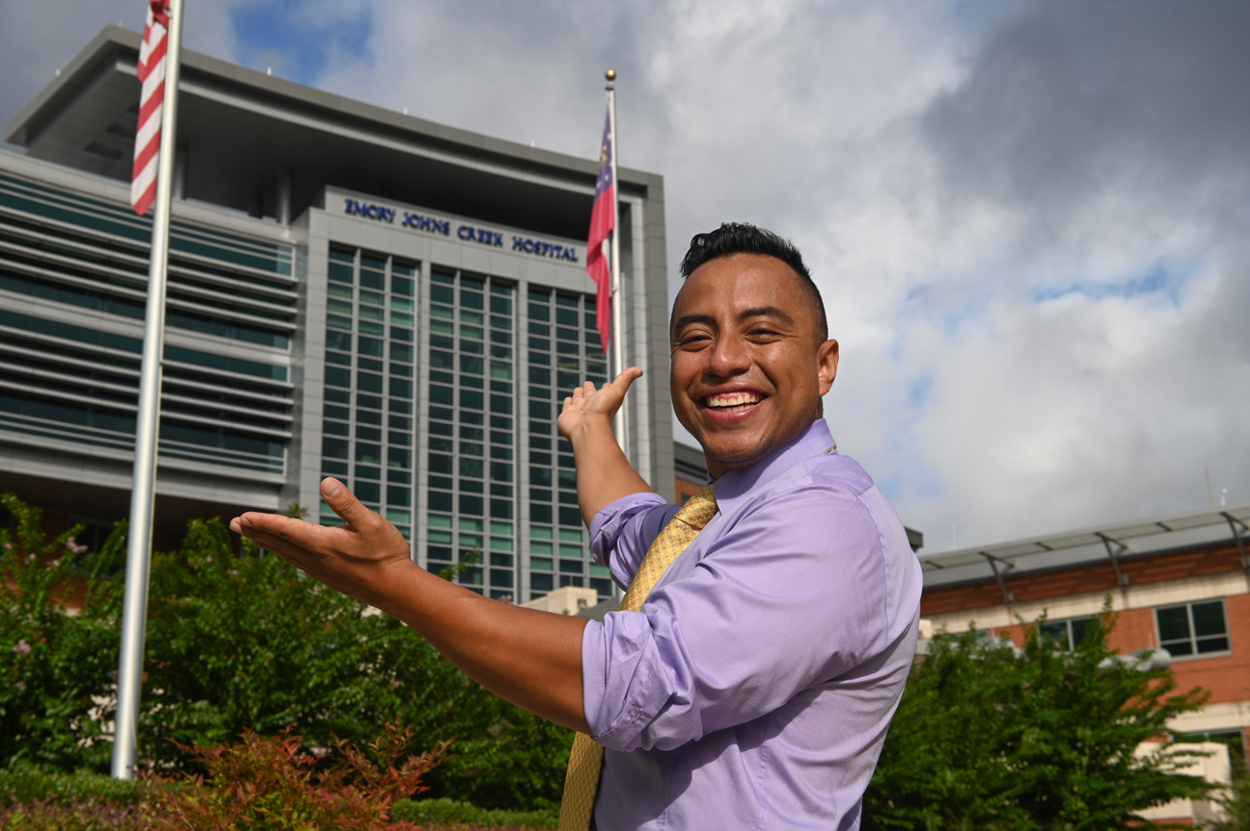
352	292
1180	583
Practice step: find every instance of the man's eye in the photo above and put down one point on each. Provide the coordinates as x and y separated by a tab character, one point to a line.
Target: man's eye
691	340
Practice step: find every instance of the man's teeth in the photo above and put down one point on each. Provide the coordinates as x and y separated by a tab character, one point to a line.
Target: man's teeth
733	402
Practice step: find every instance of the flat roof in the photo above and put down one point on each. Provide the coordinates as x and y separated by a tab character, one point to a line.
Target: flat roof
1100	543
240	129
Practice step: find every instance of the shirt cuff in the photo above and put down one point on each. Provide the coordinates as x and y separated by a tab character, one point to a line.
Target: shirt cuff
618	716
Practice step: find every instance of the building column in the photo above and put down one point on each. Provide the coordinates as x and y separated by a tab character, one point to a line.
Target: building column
181	154
283	212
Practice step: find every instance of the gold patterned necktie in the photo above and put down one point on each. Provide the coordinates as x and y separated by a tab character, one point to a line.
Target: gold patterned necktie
581	783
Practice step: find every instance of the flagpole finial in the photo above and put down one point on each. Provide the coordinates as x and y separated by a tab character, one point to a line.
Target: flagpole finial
610	74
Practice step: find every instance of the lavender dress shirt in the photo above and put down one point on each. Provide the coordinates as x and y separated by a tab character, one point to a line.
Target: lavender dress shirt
755	687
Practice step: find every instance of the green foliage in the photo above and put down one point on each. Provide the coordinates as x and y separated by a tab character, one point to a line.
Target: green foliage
1236	805
25	786
505	757
235	641
988	739
246	641
56	671
450	812
77	815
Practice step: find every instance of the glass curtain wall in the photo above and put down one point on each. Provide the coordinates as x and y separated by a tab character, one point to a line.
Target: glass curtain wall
563	350
367	434
494	477
472	432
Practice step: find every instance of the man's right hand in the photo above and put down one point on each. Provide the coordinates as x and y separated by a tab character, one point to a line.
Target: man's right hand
588	407
604	474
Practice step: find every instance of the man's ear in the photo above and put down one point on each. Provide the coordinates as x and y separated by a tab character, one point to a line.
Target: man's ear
827	364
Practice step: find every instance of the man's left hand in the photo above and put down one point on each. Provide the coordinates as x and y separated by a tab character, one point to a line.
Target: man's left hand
362	559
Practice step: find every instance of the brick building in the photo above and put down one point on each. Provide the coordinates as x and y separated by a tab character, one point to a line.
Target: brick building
1181	583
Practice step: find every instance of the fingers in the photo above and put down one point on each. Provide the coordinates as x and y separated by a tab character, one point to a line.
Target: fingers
587	388
293	553
277	533
344	503
627	376
579	396
251	523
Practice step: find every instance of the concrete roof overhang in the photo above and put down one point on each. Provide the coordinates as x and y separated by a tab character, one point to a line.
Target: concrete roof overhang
241	130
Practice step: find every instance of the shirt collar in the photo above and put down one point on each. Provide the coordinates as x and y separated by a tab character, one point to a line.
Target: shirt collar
736	484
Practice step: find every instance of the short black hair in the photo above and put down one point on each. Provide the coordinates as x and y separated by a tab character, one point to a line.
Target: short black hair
744	238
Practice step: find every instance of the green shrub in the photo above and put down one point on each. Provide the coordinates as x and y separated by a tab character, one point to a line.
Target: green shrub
1236	805
27	786
246	641
443	811
240	640
82	815
55	670
1044	738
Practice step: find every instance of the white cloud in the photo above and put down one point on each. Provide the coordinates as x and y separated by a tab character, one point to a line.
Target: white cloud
1027	220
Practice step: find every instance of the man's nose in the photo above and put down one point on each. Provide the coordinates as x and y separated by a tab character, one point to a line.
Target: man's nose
729	357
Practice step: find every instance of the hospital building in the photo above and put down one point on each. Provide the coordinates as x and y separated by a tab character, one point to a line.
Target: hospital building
353	292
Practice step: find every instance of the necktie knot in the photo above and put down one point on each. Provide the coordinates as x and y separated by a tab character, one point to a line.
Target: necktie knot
699	509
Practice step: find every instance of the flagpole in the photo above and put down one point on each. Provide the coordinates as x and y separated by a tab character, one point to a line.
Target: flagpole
618	310
139	548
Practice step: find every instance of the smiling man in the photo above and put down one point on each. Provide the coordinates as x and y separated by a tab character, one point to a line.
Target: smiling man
757	681
769	624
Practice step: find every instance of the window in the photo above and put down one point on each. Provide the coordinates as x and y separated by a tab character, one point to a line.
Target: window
1066	634
1234	739
1193	628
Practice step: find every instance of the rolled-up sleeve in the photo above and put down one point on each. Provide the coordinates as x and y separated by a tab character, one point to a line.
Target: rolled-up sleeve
782	600
621	533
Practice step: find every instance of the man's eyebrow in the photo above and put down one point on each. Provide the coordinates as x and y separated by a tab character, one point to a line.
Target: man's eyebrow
766	311
685	320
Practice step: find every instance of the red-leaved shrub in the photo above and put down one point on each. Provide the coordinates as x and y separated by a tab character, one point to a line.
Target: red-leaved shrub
277	783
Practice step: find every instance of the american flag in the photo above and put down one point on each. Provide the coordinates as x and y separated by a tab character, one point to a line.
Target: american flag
148	136
602	221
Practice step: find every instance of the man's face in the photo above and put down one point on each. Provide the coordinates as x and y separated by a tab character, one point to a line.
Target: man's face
748	370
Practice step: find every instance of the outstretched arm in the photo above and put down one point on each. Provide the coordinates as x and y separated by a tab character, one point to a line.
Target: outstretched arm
531	658
604	475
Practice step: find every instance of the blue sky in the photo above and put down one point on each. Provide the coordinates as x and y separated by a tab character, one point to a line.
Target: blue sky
1161	282
302	45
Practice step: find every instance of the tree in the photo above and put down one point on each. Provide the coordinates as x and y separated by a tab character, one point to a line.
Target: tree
54	668
236	640
986	737
1236	805
243	640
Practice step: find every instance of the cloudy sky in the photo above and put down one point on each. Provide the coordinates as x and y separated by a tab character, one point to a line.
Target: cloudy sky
1028	218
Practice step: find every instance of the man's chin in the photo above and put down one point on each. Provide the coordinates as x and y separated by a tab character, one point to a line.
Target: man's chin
726	459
